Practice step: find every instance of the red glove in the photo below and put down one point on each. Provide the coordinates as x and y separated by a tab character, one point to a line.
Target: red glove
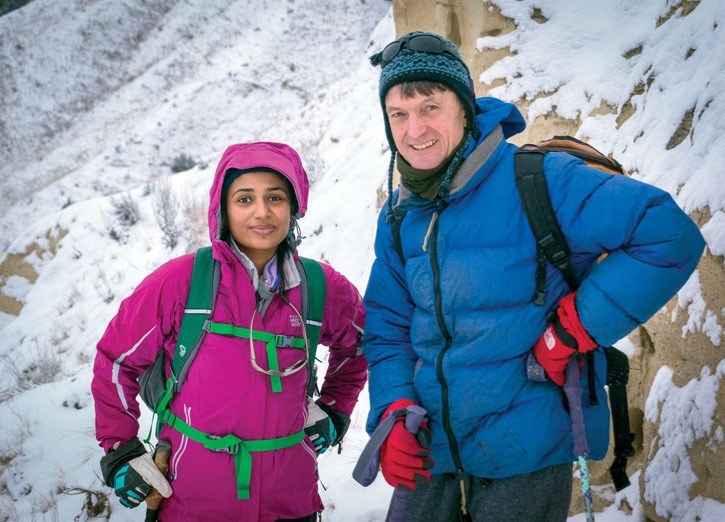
561	339
404	457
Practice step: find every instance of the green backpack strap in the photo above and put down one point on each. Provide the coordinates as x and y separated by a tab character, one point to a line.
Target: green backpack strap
199	305
313	286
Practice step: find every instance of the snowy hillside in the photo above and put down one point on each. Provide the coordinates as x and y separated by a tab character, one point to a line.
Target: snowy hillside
98	112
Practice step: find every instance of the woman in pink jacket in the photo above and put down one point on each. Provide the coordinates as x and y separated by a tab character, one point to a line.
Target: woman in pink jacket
229	393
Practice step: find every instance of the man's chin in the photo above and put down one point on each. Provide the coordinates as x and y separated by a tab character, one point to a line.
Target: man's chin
422	162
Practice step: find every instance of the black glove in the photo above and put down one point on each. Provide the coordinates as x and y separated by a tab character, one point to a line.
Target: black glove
131	472
325	427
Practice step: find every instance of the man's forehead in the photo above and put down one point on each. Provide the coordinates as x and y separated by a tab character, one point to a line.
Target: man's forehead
396	96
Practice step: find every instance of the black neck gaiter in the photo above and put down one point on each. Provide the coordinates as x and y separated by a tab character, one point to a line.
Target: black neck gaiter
425	183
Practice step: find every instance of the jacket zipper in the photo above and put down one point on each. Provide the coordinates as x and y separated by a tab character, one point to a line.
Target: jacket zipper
433	243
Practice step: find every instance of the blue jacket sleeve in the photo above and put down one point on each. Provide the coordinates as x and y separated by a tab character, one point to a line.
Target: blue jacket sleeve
652	246
386	342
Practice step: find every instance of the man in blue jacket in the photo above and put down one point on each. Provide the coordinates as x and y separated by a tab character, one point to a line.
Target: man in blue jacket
451	316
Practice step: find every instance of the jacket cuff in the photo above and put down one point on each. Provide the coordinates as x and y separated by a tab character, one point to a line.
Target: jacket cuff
111	463
339	420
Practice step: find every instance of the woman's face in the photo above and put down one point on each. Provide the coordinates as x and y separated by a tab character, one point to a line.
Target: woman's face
259	211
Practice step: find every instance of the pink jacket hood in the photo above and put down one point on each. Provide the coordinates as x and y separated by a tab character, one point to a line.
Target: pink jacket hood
266	155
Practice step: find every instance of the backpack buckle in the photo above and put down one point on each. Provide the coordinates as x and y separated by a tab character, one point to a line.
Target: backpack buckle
232	449
283	341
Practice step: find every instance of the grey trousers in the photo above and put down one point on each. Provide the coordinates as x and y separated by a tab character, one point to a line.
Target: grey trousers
541	496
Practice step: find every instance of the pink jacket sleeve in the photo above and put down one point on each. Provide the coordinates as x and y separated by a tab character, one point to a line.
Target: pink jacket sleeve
343	322
147	321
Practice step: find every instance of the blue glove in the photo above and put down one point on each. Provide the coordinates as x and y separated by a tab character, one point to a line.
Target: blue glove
130	487
325	427
131	472
319	428
135	479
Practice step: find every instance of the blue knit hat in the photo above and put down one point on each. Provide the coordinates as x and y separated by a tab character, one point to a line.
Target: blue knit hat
443	65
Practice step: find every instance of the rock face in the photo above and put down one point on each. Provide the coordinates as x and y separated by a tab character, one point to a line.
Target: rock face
673	359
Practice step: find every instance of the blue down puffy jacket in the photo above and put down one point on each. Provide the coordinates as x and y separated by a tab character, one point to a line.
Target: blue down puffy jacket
450	328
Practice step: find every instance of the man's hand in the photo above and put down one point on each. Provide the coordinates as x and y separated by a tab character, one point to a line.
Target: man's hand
564	336
404	457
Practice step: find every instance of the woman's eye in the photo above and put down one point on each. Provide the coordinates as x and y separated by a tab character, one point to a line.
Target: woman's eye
276	197
245	199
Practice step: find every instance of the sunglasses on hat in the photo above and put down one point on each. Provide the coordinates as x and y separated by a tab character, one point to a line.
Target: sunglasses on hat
423	43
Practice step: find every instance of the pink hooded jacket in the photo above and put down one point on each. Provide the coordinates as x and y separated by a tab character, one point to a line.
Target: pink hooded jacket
222	393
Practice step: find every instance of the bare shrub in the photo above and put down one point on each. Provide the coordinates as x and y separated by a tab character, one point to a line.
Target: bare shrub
126	214
182	162
125	209
23	421
102	285
119	236
11	444
74	295
95	503
45	504
39	367
8	510
165	211
194	220
43	368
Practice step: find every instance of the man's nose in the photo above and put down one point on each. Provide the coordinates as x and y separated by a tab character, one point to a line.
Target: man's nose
416	126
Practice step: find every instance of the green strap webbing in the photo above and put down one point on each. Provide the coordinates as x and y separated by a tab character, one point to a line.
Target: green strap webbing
196	323
273	341
198	309
283	341
314	291
241	449
273	365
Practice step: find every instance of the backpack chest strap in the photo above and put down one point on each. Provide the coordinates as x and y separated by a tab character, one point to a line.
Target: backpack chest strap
241	449
273	341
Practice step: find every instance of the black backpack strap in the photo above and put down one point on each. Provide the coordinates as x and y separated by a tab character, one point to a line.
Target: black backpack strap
550	242
395	218
551	245
617	378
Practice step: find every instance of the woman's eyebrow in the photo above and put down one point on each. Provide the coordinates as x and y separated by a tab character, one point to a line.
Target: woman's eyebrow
268	189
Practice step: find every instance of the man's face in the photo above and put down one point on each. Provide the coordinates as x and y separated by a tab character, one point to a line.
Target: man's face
426	128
